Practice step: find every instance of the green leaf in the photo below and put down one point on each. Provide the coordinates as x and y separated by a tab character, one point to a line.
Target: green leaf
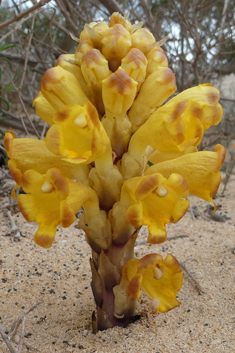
150	163
7	60
7	104
5	47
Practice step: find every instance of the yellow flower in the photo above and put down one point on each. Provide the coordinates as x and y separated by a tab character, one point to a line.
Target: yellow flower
153	201
159	279
200	170
77	134
51	200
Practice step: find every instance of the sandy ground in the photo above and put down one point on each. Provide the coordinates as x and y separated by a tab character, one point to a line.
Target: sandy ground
61	278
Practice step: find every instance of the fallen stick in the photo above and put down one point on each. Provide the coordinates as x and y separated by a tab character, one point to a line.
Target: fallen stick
197	285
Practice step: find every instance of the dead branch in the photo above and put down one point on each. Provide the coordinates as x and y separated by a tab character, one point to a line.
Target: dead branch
11	336
25	110
24	13
15	123
6	340
197	285
111	6
14	231
228	174
27	53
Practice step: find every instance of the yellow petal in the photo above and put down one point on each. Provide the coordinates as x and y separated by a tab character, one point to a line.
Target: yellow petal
200	170
29	153
71	122
205	106
94	67
44	109
95	32
60	88
165	288
159	86
68	62
157	157
144	274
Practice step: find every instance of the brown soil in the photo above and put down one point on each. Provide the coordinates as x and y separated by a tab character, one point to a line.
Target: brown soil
61	278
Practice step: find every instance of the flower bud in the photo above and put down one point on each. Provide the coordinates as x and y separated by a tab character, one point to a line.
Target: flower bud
61	88
156	57
97	33
83	48
143	40
84	33
44	109
154	91
118	93
135	63
117	18
67	62
116	45
94	67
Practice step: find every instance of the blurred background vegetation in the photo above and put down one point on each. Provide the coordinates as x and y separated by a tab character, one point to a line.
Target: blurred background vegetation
200	48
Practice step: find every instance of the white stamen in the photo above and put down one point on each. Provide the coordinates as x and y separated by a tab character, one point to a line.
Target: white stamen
80	120
161	191
47	187
158	272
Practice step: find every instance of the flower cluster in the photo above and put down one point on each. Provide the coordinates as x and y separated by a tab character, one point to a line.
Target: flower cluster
116	150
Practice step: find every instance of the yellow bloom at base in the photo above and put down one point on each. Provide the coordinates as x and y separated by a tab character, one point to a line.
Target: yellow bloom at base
159	279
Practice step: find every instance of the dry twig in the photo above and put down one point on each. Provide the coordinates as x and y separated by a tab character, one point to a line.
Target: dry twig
14	231
24	13
197	285
11	336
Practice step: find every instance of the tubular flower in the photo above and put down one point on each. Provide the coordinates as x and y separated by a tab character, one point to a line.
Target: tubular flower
108	124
